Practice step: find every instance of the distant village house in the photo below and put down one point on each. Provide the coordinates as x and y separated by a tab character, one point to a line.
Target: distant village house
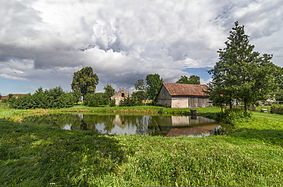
183	95
6	97
120	96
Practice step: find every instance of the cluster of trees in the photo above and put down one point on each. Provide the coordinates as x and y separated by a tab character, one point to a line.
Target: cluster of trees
193	79
242	74
85	82
146	89
100	99
52	98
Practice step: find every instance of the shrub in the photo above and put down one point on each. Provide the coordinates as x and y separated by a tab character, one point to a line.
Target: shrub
94	100
129	101
53	98
25	102
126	102
277	109
112	102
232	116
139	97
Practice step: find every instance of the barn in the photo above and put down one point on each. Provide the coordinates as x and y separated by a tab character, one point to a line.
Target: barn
183	95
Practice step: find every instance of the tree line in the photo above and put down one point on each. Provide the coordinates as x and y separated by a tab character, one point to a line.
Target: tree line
52	98
84	89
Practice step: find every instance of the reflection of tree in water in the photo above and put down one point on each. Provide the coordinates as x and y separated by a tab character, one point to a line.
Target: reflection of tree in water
93	120
159	124
140	122
108	123
83	125
55	120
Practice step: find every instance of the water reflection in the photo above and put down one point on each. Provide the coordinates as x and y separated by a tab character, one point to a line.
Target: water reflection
131	124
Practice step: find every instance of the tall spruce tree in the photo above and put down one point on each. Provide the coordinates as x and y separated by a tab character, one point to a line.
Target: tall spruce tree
241	73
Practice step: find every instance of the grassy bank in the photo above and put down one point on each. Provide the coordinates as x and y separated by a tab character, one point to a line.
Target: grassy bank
18	115
32	155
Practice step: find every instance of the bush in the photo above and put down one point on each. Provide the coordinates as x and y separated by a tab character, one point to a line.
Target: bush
130	101
232	116
277	109
127	102
139	97
112	102
25	102
53	98
95	100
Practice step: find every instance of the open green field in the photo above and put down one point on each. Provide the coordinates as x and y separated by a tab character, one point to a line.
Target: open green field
31	155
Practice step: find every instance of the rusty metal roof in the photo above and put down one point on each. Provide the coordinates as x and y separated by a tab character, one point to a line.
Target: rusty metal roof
176	89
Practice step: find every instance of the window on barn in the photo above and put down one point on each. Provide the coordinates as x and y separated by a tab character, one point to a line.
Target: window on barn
123	95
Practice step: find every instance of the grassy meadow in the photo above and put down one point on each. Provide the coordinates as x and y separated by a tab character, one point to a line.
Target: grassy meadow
30	155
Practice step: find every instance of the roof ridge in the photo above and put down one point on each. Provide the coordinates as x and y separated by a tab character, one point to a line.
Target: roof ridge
178	89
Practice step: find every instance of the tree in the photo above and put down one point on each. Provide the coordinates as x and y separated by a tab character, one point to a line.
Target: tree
109	91
193	79
139	97
154	83
140	85
241	73
85	81
95	100
52	98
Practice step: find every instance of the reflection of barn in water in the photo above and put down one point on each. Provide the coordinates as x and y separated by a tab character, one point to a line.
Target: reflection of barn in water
188	120
181	125
200	130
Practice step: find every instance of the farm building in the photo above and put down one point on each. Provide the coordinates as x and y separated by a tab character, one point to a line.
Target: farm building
183	95
3	98
119	96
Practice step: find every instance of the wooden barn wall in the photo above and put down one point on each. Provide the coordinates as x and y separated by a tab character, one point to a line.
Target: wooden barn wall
164	98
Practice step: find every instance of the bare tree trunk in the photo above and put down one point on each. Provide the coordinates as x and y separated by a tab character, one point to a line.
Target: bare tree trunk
230	102
245	105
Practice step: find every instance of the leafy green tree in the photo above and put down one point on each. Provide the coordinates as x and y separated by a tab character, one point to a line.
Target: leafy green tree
139	97
154	83
41	99
241	73
109	91
140	94
140	85
67	100
85	81
95	100
279	80
53	98
193	79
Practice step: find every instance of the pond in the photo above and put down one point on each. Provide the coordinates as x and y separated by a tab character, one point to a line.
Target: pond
130	124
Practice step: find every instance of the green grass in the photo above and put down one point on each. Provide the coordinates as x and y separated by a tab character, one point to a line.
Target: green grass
31	155
18	115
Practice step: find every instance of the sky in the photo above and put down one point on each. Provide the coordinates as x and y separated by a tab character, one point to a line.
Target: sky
43	42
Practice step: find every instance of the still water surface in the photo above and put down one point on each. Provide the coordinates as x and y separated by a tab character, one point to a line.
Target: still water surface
131	124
